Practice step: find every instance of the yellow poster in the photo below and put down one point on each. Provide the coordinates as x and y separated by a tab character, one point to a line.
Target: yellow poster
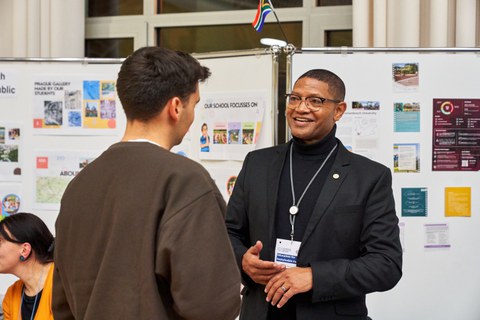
458	202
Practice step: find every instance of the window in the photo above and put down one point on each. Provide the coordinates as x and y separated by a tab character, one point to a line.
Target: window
202	39
108	48
179	6
107	8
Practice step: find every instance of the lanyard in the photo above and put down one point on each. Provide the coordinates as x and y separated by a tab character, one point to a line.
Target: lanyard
294	208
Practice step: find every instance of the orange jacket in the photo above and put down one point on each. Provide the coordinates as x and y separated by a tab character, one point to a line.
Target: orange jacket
13	298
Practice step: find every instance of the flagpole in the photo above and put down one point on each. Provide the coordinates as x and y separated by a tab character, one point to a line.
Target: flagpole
278	21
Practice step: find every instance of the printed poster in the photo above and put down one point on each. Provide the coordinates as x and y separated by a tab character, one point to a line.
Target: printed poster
406	117
230	124
437	236
8	83
414	202
406	157
10	199
456	135
405	77
71	105
225	178
10	151
53	171
458	202
358	128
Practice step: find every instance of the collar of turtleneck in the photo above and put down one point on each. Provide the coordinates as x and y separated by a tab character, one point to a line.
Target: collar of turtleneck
320	148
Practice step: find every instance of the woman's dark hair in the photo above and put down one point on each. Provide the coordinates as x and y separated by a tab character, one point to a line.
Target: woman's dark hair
336	87
153	75
26	227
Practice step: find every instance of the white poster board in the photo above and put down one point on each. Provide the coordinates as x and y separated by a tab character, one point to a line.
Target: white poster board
393	99
44	142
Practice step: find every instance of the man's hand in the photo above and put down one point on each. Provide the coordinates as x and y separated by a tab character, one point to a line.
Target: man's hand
285	285
259	270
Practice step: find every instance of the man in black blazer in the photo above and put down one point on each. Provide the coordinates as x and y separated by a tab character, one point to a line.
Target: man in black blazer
313	226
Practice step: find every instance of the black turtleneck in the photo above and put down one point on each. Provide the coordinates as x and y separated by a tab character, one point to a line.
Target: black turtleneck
306	160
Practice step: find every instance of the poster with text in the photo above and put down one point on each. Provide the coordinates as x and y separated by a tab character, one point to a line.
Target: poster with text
10	147
456	135
230	124
53	172
358	128
71	105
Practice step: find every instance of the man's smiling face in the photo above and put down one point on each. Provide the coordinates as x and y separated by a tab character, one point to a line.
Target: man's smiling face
309	126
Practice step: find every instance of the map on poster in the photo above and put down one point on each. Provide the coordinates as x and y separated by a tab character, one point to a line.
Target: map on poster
53	171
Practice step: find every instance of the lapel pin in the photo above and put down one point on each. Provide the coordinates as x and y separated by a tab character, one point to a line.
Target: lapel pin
336	176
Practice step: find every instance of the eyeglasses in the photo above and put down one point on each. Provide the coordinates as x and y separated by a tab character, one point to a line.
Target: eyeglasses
312	103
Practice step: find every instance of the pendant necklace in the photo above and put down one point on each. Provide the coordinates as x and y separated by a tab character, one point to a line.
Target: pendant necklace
294	208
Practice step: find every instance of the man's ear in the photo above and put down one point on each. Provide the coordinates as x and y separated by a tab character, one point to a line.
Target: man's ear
340	109
175	108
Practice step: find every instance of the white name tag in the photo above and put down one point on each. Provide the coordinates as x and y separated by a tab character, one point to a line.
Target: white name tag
286	252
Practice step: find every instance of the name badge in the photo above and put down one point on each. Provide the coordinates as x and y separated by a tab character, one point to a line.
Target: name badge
286	252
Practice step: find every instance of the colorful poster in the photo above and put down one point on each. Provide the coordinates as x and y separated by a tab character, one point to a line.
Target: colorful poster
225	178
458	202
456	135
414	202
406	117
406	157
230	124
10	151
405	77
53	171
10	199
66	105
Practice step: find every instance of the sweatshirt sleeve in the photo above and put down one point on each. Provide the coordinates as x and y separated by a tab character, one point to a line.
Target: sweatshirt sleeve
195	257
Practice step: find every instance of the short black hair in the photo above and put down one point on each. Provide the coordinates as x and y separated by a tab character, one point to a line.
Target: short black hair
153	75
336	87
27	227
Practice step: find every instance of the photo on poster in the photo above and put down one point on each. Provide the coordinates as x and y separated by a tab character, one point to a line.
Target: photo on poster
53	113
405	77
220	133
234	132
365	105
204	138
248	129
73	100
10	151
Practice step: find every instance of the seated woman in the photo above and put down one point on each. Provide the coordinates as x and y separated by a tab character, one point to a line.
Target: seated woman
26	251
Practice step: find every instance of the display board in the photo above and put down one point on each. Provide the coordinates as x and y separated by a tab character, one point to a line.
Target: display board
419	114
57	116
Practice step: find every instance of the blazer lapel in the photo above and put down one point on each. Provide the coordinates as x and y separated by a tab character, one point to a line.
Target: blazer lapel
335	179
273	183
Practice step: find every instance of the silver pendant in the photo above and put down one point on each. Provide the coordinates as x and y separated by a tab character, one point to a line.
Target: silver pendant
293	210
